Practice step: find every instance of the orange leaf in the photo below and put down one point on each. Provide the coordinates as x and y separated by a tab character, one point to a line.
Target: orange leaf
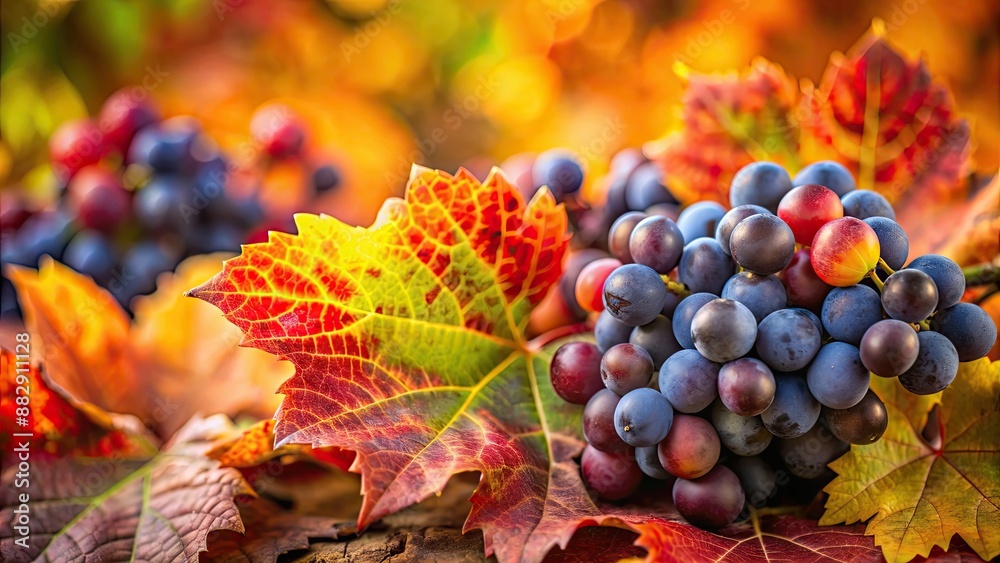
191	357
255	446
729	121
892	125
409	348
83	334
177	359
59	425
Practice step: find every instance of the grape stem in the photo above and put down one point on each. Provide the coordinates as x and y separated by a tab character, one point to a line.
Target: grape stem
982	274
875	278
885	266
675	288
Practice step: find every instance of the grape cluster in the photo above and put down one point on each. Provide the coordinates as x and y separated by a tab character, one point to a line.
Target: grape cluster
730	342
139	193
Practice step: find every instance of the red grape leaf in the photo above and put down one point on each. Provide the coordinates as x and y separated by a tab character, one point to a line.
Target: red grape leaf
408	346
920	492
729	121
122	508
270	532
598	543
892	125
58	424
762	538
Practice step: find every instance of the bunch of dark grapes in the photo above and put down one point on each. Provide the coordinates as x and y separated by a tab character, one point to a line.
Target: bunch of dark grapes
733	346
139	193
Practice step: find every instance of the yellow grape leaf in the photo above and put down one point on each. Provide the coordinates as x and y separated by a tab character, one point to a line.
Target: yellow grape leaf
918	494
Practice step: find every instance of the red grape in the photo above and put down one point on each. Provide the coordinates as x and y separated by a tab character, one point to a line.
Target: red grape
279	130
576	372
74	145
807	208
599	422
590	284
613	476
122	115
96	196
805	288
691	448
711	501
844	251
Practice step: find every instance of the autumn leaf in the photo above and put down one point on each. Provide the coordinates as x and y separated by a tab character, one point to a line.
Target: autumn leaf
121	508
253	446
973	227
58	424
884	117
918	493
83	335
729	121
270	532
202	368
177	358
599	543
762	538
407	339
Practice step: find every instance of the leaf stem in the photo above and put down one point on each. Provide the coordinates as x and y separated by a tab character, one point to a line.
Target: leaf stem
981	274
539	342
875	278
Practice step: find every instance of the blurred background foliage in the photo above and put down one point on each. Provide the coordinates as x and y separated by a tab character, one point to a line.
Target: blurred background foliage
445	82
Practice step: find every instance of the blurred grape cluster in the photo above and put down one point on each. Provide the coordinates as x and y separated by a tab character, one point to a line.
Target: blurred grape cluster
137	194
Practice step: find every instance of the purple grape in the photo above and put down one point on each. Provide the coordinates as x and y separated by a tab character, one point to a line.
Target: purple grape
787	340
575	372
863	204
634	294
626	367
836	377
909	296
935	367
794	410
643	417
724	231
947	276
689	381
723	330
684	314
700	220
763	295
762	244
656	242
760	183
657	338
827	173
969	328
889	347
